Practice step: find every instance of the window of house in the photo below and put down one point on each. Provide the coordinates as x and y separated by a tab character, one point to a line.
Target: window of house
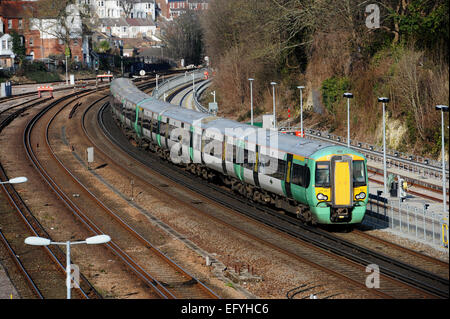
20	24
31	41
76	58
75	42
9	24
60	41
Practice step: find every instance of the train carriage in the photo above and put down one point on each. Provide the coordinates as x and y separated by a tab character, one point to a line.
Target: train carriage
319	182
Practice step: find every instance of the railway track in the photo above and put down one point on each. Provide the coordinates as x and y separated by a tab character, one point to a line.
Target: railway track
176	282
290	228
411	183
42	268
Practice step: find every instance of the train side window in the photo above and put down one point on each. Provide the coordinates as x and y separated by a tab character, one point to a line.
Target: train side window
268	168
300	175
249	159
359	174
323	174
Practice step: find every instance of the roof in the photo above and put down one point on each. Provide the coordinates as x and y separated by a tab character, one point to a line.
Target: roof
140	22
17	9
109	22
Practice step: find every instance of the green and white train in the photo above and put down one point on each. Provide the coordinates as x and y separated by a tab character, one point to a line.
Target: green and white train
319	182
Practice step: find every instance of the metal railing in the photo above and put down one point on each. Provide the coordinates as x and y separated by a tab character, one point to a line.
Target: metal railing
421	225
202	87
174	82
412	163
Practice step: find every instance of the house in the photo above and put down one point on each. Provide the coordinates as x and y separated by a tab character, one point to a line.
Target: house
170	9
113	9
128	28
6	54
40	32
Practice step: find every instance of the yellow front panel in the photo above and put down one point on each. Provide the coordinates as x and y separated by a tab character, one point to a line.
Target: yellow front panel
342	184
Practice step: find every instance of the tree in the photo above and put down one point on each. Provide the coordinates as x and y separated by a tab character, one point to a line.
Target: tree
18	47
58	18
183	38
127	6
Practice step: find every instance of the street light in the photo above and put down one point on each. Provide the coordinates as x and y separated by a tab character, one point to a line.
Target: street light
274	115
348	96
384	100
251	100
443	108
16	180
39	241
301	87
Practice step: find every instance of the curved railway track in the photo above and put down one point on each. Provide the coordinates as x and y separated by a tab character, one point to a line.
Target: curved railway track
33	262
177	283
292	228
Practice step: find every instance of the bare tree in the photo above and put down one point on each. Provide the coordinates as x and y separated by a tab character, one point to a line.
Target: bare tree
127	6
60	19
183	38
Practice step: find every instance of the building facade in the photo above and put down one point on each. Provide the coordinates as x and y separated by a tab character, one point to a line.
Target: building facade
40	35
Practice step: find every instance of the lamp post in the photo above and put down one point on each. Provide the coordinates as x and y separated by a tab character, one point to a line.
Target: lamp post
384	100
348	96
67	78
443	108
121	64
39	241
251	100
274	115
301	87
16	180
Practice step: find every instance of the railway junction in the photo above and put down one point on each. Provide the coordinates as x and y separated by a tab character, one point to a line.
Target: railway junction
175	235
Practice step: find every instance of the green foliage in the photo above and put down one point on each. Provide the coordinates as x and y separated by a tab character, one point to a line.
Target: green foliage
37	71
424	21
332	91
17	47
102	47
43	76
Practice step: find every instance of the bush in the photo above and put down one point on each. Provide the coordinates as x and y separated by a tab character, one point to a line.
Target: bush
43	76
332	91
4	75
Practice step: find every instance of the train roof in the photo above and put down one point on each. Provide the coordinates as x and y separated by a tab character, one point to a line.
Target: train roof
286	143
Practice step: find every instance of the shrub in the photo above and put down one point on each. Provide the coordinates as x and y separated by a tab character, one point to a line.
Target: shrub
332	90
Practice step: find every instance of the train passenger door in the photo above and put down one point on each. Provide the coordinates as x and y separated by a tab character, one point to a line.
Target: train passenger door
342	188
300	178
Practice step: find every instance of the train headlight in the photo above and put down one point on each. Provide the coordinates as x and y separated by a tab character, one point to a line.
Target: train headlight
321	196
361	195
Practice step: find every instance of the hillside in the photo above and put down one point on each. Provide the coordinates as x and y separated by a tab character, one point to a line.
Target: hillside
327	46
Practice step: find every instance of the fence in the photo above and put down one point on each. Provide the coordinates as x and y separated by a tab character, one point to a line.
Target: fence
174	82
413	163
419	224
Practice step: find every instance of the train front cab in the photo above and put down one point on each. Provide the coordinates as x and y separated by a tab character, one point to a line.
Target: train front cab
340	189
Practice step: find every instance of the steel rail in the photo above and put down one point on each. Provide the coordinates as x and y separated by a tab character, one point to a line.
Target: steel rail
21	267
80	216
37	230
243	210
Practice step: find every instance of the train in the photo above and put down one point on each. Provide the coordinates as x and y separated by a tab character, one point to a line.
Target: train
318	182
